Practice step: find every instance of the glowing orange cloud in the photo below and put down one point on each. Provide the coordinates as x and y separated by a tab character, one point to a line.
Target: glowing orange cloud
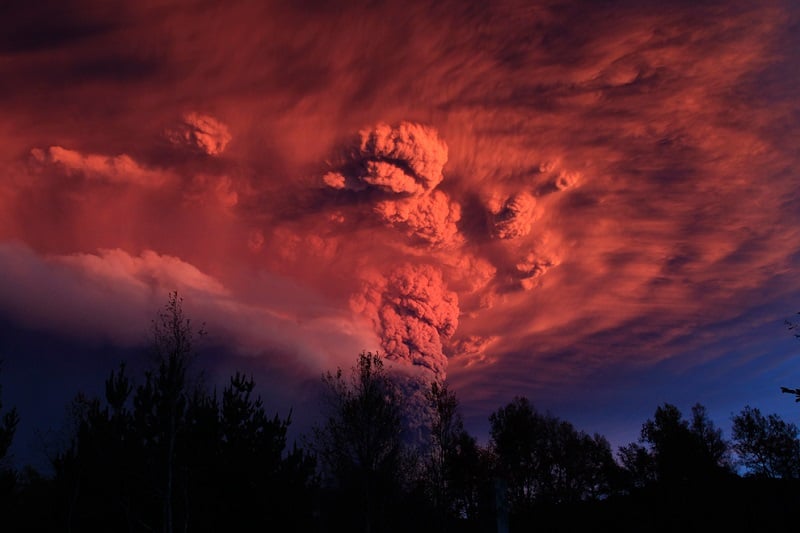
495	191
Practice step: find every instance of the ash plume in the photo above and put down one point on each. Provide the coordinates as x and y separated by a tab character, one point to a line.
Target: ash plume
534	266
406	159
413	312
514	217
119	169
202	133
430	219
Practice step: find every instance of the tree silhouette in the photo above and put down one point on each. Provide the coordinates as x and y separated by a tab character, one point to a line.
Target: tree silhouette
359	445
8	479
638	464
8	426
161	401
766	445
714	449
269	486
128	457
455	476
170	455
681	450
793	326
546	460
94	467
446	427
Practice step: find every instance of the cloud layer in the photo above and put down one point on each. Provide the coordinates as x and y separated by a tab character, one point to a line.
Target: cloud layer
519	195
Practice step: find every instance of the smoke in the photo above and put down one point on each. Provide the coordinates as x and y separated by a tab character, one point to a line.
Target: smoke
411	309
626	140
208	189
534	266
472	350
430	219
201	132
404	160
513	219
111	294
567	180
412	312
143	272
467	272
119	169
403	164
106	294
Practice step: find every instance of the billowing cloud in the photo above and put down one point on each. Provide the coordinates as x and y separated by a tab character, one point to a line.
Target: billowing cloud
120	169
566	180
467	272
201	132
412	312
406	159
147	270
431	219
112	294
533	266
106	294
514	217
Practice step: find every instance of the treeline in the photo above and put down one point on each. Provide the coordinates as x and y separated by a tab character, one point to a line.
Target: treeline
163	452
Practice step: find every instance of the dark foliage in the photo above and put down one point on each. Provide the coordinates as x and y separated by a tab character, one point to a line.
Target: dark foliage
456	476
544	461
8	478
677	451
169	455
8	425
360	446
766	445
162	452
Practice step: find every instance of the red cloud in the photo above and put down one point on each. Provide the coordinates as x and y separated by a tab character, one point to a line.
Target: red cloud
431	219
407	159
412	312
201	132
675	120
514	217
120	169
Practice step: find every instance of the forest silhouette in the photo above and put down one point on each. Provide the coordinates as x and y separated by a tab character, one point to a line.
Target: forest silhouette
163	452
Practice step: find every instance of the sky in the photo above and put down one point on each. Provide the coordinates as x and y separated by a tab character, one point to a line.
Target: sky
593	204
